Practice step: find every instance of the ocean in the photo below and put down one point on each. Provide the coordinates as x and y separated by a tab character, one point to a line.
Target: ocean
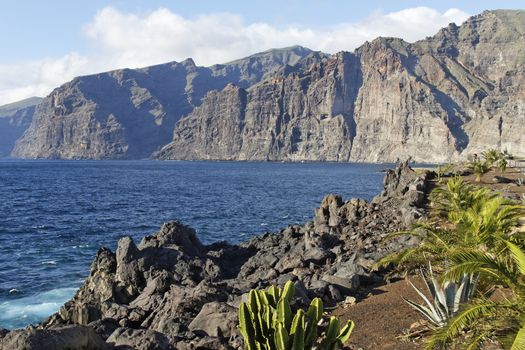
55	215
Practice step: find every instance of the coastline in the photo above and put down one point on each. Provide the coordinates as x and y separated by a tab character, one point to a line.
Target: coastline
132	295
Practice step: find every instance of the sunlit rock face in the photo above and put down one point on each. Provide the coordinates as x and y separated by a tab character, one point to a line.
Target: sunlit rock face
439	99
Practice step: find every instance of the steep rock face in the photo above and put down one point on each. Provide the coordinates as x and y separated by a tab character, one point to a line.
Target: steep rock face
14	120
301	114
397	115
131	113
439	99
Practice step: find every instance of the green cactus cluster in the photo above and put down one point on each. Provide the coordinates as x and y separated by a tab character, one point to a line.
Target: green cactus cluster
267	323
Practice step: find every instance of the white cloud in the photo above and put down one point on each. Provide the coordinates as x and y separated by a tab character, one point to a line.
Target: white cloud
133	40
38	77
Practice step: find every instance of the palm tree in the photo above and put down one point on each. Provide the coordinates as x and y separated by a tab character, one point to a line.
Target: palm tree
480	168
457	196
491	156
500	318
475	219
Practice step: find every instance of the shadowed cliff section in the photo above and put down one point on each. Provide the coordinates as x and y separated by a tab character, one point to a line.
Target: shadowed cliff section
438	99
15	118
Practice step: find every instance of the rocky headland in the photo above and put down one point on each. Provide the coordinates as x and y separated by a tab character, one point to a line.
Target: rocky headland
172	292
440	99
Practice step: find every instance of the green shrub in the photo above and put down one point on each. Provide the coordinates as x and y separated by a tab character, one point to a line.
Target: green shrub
266	322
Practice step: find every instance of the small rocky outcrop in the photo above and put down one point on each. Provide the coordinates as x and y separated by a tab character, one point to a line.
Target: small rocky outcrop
172	292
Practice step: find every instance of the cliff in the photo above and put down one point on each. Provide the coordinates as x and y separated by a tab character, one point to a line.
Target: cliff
439	99
15	118
131	113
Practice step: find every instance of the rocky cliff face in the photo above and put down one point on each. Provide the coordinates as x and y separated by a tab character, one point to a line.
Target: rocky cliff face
439	99
131	113
14	120
299	114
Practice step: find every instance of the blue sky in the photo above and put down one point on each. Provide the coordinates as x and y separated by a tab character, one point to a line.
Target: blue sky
45	43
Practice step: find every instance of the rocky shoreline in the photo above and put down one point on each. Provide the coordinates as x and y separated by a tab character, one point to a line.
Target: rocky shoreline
172	292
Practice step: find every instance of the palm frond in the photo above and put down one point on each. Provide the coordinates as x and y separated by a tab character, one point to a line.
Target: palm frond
519	340
466	318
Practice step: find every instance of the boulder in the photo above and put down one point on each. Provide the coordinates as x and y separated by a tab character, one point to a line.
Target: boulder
65	338
216	319
138	339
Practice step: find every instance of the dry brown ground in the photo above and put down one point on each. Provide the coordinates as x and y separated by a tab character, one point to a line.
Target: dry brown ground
487	181
383	317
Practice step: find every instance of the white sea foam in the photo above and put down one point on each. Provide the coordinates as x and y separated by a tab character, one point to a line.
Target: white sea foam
50	262
34	308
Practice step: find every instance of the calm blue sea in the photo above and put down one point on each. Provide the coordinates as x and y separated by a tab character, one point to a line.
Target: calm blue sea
54	215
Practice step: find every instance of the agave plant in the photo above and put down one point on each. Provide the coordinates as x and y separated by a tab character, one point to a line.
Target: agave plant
447	297
500	318
266	322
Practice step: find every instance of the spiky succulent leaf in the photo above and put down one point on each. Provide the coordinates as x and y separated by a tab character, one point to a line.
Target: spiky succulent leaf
315	311
275	292
282	338
253	301
333	330
346	331
298	331
263	299
284	313
247	327
288	291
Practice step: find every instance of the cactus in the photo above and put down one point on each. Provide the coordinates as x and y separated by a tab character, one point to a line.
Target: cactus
266	322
